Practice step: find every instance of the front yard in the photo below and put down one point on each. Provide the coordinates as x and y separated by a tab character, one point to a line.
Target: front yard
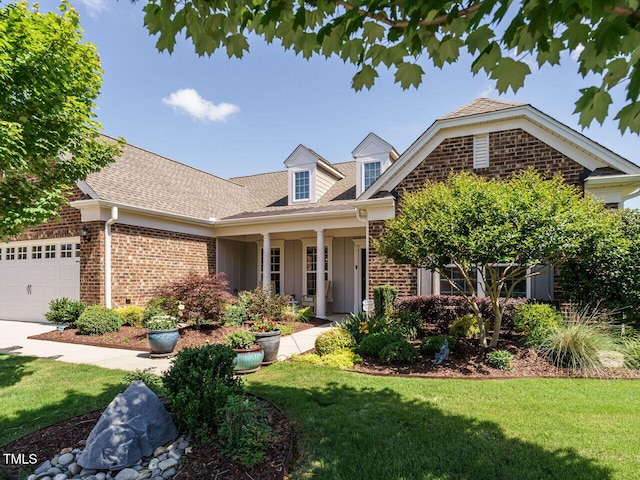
354	426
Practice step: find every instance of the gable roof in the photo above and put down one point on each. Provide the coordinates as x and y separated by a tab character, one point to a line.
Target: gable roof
481	105
484	116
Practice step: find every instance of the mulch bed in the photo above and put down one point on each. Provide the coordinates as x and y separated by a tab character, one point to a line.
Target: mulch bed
132	338
204	462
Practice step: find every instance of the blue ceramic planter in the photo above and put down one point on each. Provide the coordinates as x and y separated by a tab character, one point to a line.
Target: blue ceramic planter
248	360
162	342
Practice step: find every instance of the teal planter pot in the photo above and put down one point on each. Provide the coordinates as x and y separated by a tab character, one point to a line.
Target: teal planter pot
162	342
270	342
248	360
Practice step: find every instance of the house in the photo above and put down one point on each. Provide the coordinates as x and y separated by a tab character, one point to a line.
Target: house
146	219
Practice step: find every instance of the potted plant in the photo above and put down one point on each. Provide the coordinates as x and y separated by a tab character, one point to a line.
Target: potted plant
249	354
162	335
267	334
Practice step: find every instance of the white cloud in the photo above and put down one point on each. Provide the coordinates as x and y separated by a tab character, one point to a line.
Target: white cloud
489	92
575	55
94	6
189	101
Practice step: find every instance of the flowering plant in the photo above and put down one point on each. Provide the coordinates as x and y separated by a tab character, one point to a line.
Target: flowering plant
162	322
265	325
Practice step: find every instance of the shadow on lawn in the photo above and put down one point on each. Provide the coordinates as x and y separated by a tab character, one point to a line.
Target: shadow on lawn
14	368
381	435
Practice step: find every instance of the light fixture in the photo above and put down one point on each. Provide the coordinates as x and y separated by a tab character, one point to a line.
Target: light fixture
85	233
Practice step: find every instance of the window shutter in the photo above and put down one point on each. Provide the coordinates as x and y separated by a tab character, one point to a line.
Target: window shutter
481	151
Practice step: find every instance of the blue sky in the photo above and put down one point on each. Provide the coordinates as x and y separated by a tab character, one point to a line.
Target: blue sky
235	117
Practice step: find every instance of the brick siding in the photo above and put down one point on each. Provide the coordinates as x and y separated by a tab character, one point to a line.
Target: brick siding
510	151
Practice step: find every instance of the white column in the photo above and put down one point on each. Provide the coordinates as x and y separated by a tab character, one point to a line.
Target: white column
266	261
320	298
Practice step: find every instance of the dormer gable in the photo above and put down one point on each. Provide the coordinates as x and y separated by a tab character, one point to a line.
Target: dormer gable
309	176
373	156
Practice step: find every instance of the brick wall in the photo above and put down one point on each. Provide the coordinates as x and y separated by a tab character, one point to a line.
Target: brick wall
145	258
510	151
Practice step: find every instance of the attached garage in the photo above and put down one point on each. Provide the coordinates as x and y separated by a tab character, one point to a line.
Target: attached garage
32	273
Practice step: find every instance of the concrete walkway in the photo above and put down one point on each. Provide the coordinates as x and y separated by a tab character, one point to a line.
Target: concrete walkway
14	340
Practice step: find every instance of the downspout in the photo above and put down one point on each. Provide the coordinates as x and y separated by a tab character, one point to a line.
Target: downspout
107	256
366	222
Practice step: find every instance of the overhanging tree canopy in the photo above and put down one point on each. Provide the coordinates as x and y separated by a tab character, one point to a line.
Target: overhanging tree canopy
404	36
48	135
497	228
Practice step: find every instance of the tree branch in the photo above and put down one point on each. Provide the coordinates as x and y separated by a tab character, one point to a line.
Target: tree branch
404	24
621	10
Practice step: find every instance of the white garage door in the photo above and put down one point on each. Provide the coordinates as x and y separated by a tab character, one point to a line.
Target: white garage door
36	272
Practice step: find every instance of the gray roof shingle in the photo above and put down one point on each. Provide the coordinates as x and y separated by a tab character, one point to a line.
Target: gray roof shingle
481	105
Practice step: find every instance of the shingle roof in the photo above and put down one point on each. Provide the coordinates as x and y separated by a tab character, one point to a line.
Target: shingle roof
481	105
143	179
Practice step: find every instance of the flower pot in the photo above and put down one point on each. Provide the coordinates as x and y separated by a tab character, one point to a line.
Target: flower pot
248	360
162	342
270	341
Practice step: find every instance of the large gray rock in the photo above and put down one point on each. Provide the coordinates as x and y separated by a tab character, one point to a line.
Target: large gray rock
132	426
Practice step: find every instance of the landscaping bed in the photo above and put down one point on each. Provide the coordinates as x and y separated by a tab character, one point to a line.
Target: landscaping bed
132	338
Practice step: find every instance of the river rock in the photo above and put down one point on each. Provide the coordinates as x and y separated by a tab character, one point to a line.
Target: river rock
134	424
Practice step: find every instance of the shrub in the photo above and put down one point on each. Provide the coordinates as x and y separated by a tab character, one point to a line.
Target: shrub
384	298
500	359
261	304
163	305
405	323
241	339
131	315
342	359
359	325
442	310
399	352
535	321
466	327
198	385
151	380
333	340
98	320
244	433
432	345
285	330
371	345
235	314
204	297
64	311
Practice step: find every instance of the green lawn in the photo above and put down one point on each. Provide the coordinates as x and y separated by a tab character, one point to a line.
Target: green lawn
35	392
351	426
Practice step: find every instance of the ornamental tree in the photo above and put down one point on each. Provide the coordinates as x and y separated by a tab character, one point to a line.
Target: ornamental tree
404	36
493	229
48	136
606	274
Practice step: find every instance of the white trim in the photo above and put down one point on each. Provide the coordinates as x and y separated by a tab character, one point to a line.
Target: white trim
362	173
87	190
481	151
312	242
373	139
274	244
479	283
358	245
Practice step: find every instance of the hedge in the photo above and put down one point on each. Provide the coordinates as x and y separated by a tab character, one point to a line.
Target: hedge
441	310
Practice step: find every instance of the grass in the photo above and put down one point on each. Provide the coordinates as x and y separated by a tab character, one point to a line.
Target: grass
35	392
352	426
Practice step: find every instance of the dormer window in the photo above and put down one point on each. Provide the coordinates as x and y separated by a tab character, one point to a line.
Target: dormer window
302	185
371	172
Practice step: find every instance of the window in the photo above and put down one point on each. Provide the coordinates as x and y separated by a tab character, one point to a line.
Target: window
22	253
77	250
276	267
66	250
371	171
36	252
49	251
519	291
455	275
301	185
311	266
10	253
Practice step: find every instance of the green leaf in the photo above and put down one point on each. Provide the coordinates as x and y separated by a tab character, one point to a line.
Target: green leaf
629	118
364	78
479	39
236	45
488	59
372	32
594	103
509	73
409	75
617	69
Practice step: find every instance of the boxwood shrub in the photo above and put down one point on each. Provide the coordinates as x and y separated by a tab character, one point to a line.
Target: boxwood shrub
98	320
399	352
334	339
